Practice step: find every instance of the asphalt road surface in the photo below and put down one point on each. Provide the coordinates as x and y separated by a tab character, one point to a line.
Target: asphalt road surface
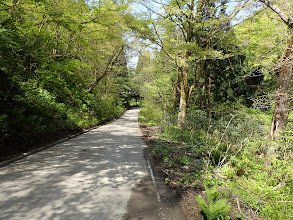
100	175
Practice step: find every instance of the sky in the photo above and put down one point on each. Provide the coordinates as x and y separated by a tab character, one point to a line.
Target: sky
134	54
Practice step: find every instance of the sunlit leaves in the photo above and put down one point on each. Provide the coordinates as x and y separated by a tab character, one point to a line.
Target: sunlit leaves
258	37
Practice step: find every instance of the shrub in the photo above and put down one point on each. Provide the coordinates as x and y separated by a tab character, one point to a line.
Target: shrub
216	208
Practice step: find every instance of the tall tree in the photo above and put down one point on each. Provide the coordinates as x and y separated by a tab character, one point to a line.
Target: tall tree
282	105
185	18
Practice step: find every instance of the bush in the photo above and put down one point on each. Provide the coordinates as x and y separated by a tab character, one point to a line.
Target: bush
150	113
233	146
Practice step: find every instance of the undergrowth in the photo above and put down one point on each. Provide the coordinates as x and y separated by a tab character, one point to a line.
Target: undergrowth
216	207
37	115
232	147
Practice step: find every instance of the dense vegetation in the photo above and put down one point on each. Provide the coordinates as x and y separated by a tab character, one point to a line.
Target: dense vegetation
229	78
218	86
62	68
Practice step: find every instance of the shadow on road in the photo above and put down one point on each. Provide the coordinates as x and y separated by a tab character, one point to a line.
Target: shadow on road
88	177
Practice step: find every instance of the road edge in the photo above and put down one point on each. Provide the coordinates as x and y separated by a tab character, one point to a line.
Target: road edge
24	155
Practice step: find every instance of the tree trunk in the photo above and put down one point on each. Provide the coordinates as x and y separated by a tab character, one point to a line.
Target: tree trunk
183	94
197	77
203	103
282	105
175	90
210	90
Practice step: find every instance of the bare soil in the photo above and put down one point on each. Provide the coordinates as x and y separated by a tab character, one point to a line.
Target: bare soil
186	195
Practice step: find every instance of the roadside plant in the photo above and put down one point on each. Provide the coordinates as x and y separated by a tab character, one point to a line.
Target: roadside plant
216	208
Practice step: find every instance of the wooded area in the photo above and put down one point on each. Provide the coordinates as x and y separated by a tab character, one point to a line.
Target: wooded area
63	69
213	75
219	87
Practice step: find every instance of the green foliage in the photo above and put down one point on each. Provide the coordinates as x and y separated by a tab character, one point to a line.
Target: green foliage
153	82
262	47
216	208
50	56
163	152
219	128
217	140
150	113
233	144
257	37
184	160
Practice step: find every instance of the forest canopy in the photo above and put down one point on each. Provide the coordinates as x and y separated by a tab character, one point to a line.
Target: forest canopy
63	67
213	75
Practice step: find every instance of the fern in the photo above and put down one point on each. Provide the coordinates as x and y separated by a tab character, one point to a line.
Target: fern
216	208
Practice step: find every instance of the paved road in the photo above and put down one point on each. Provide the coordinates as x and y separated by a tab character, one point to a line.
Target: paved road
99	175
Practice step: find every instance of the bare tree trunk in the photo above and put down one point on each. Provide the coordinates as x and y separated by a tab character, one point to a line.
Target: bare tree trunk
282	106
183	94
203	103
175	90
197	77
210	90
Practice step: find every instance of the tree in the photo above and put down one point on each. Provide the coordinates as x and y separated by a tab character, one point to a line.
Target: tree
282	105
182	20
61	66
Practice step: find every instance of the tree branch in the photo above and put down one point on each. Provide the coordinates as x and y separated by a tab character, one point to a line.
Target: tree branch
108	69
287	20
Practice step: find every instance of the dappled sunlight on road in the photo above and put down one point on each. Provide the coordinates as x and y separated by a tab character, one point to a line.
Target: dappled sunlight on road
87	177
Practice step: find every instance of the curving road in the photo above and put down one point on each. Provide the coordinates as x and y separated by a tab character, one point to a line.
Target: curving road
100	175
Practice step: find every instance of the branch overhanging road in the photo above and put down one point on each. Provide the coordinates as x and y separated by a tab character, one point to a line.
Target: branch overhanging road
100	175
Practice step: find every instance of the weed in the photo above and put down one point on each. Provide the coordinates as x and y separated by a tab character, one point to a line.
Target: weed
163	152
216	208
184	160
